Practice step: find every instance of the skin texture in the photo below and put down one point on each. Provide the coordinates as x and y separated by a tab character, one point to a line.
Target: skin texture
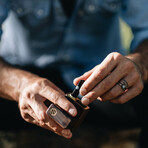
101	81
30	91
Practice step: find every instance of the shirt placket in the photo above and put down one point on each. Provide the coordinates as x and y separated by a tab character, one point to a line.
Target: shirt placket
62	55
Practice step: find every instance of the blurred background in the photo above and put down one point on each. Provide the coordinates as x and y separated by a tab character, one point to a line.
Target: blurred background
92	133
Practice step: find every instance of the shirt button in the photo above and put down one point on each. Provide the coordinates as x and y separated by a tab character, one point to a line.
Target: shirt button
19	10
91	8
40	12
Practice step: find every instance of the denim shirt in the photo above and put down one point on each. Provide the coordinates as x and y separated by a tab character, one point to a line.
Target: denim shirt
38	32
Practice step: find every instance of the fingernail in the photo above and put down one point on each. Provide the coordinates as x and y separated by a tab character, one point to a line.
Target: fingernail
83	92
66	133
74	81
72	111
100	99
85	101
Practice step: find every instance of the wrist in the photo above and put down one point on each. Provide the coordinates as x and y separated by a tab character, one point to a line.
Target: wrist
24	80
138	60
13	81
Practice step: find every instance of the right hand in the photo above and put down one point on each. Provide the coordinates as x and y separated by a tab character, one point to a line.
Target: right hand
33	109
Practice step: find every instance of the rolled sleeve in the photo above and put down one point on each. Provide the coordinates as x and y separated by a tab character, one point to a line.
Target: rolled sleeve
136	15
139	36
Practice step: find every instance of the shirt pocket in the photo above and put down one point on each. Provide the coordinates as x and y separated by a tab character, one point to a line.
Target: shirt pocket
102	6
110	7
38	9
99	13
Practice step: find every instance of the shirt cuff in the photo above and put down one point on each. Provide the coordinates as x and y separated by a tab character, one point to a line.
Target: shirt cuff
139	36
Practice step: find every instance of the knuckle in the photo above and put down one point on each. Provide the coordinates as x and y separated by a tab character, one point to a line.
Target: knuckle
26	119
36	85
28	95
44	81
22	106
116	56
25	116
41	83
25	94
42	116
99	74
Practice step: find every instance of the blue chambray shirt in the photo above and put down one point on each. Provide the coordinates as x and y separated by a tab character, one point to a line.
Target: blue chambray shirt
37	32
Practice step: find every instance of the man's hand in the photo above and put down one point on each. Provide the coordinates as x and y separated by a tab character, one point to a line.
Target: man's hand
102	82
33	109
30	91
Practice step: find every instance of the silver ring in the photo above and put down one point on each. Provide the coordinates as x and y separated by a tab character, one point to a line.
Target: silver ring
123	84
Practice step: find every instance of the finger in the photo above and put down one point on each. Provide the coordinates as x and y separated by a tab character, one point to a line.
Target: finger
28	115
46	122
131	93
105	85
98	75
84	76
49	83
59	99
57	129
114	92
38	107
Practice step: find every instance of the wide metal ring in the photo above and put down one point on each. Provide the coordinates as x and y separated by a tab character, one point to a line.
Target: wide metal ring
123	84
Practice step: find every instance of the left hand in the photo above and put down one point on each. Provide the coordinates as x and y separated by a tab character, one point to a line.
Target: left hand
102	82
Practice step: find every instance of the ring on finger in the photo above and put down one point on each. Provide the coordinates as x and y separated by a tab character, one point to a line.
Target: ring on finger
123	84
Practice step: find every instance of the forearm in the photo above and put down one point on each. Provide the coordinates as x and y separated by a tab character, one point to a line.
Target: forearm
12	80
140	57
